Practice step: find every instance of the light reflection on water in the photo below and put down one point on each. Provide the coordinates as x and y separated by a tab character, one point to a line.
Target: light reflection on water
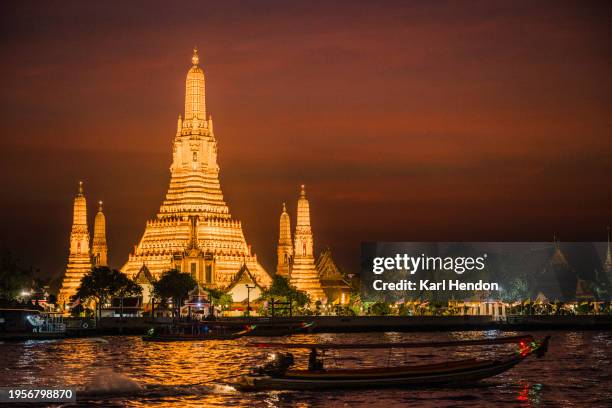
125	371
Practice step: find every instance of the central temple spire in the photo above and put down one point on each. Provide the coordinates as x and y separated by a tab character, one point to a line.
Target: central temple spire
194	186
195	102
194	230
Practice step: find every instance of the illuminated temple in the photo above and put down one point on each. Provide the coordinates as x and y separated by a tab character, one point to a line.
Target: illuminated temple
304	275
82	256
285	245
193	230
322	280
99	250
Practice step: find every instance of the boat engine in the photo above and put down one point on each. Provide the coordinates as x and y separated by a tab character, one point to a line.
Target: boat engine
277	364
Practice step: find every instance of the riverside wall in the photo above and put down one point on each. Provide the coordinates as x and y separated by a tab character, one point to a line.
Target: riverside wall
341	324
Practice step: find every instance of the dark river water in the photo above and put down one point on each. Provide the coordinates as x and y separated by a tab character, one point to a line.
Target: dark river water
125	371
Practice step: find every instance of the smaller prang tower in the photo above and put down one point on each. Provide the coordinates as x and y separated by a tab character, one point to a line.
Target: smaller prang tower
99	250
285	246
304	275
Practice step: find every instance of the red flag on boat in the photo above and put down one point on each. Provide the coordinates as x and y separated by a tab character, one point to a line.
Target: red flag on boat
76	303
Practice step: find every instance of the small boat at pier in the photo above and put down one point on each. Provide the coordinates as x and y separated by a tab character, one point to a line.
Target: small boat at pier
272	329
195	332
277	374
30	324
226	330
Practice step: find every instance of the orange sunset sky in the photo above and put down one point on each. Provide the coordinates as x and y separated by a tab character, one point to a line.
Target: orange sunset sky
412	121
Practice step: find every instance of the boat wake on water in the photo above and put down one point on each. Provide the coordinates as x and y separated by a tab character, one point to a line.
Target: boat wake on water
109	384
93	340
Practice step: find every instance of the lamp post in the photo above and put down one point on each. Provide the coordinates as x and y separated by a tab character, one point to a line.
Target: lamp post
249	297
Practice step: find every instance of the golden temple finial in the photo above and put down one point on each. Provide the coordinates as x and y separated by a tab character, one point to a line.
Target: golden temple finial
100	206
80	187
303	192
284	208
195	99
195	59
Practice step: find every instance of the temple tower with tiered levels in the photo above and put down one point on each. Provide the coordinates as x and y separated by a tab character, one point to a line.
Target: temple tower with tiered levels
99	250
285	245
304	274
79	259
193	230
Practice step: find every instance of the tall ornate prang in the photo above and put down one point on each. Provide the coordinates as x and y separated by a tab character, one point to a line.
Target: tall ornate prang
99	250
304	275
285	245
79	260
194	230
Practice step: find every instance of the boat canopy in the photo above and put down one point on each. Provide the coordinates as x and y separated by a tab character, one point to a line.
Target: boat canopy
452	343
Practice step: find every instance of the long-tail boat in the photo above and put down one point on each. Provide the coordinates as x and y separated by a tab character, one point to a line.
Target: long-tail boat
224	330
270	329
277	375
264	327
196	333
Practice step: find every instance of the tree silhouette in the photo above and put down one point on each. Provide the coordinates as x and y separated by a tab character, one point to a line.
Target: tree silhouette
13	277
282	290
175	285
102	283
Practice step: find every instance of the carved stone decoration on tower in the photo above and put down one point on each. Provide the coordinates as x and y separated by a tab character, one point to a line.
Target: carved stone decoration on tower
194	230
304	275
79	260
285	245
99	250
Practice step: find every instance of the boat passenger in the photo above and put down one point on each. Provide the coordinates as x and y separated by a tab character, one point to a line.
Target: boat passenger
314	364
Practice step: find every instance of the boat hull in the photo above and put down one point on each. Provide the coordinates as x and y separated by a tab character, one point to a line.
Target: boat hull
270	329
313	381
